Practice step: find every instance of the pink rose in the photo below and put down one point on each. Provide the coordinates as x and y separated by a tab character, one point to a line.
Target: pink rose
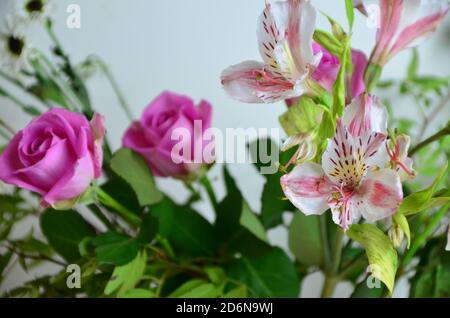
326	72
57	155
153	136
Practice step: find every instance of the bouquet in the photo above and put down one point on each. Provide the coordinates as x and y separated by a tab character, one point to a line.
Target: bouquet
363	193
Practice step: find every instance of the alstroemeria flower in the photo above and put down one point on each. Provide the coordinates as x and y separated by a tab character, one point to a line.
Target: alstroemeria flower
398	153
403	23
285	31
351	180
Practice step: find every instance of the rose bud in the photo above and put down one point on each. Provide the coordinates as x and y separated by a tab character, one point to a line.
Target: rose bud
156	136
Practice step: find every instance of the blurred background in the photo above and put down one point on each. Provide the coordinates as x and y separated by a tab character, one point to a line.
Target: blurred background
182	46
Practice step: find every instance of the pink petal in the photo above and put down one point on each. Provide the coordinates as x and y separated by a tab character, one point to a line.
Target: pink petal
359	61
249	82
307	188
379	196
420	28
98	131
73	183
365	114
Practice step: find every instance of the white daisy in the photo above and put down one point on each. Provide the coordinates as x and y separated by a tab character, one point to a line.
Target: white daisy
37	9
13	44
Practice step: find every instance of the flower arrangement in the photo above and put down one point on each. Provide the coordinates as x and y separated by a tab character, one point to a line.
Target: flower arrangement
360	204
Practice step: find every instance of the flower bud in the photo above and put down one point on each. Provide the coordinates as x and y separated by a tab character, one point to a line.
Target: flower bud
396	235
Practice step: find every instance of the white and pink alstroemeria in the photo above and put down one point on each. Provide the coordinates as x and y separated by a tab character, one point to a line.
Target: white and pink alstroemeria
402	23
285	31
351	180
398	153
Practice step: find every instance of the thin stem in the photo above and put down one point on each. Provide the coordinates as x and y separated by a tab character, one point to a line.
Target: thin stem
39	257
126	214
210	191
107	72
432	116
420	240
328	287
442	133
325	243
101	217
331	276
21	86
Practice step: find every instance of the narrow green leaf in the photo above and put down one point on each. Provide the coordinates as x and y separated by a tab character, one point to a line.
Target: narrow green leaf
380	252
350	13
134	170
215	274
304	239
328	42
419	201
401	220
204	291
250	221
339	85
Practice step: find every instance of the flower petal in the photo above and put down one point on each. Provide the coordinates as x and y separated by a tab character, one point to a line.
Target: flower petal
250	82
365	114
379	196
419	29
307	188
285	31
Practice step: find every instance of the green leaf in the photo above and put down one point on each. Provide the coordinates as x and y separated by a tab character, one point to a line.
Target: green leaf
4	261
138	293
228	231
125	278
114	248
380	252
328	42
215	274
250	221
350	13
238	292
272	203
304	239
363	291
419	201
64	230
401	220
148	230
301	117
339	85
134	170
203	291
186	287
270	275
187	231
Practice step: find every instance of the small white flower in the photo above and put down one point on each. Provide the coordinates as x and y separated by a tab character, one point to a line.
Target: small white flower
13	44
37	9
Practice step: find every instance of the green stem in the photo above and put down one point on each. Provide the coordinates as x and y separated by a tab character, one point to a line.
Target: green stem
420	240
440	134
210	191
107	72
110	202
331	276
22	87
328	287
325	243
99	214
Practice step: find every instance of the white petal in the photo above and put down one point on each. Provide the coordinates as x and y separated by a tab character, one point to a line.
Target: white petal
447	248
379	196
243	82
364	114
307	188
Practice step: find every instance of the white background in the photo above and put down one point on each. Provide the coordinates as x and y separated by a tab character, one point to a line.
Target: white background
183	45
